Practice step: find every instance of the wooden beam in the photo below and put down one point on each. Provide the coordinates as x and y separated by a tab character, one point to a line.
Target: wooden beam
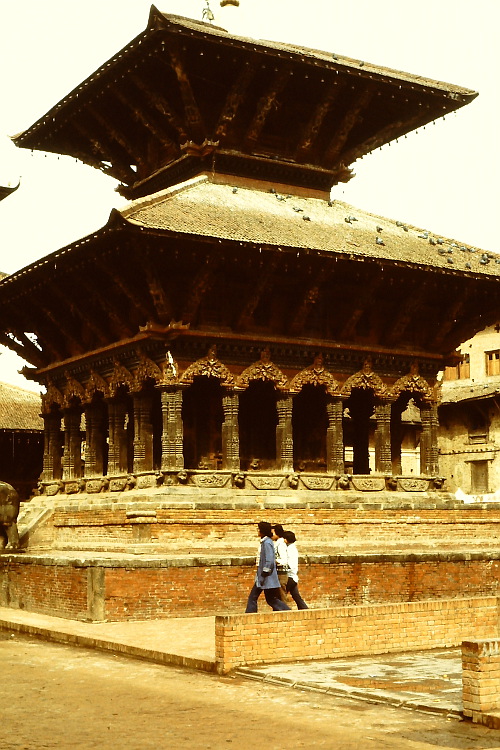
161	300
311	131
202	282
160	103
309	299
28	319
118	169
192	112
108	310
234	100
256	292
137	114
113	134
24	348
266	104
387	134
406	312
350	120
361	301
117	278
459	298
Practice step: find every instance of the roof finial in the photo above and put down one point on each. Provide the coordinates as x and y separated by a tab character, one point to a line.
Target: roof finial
207	14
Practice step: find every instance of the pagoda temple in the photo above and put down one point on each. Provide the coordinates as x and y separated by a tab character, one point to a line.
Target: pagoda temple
234	336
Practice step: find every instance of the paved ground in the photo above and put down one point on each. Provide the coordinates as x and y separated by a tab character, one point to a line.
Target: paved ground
429	681
59	696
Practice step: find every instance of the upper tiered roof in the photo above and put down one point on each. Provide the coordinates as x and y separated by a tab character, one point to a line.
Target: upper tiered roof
185	96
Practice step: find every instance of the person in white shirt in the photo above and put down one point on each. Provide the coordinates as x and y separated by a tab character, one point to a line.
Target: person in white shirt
280	551
292	586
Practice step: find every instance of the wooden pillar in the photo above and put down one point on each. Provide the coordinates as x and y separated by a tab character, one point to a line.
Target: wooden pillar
143	432
172	456
117	436
230	432
94	440
72	456
396	441
335	437
383	463
284	437
52	443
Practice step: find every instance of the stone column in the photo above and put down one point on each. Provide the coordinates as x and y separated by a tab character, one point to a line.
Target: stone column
72	456
284	436
335	437
52	444
143	432
230	432
117	435
429	464
94	440
172	439
383	463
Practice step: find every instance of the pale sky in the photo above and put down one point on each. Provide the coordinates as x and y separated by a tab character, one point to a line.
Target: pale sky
444	178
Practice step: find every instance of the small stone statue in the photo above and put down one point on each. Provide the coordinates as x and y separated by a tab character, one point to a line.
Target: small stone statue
9	511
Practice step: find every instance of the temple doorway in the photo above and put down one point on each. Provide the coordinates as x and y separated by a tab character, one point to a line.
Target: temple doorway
359	428
258	419
406	429
309	425
202	416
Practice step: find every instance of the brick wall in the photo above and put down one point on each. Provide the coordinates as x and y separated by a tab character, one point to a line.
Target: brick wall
351	631
481	681
355	523
134	588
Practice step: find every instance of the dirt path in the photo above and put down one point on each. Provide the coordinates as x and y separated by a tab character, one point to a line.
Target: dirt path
55	696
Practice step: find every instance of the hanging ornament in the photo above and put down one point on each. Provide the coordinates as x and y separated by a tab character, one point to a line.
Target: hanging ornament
223	3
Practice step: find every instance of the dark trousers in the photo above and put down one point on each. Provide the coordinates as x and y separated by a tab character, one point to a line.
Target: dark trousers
272	598
293	589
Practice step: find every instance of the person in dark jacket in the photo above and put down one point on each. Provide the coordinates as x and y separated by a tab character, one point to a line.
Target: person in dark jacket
266	578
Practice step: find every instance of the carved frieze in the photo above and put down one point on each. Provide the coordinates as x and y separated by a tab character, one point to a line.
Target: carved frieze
209	367
415	384
73	389
312	482
368	484
263	370
211	480
316	374
53	397
96	384
263	482
413	484
120	377
365	379
146	370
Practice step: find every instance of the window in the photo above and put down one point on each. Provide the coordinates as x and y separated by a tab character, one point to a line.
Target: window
479	477
493	362
459	371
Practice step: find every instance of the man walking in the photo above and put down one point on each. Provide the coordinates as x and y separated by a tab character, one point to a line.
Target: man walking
266	578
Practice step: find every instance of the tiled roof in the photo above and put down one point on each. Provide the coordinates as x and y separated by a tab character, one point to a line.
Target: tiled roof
452	394
271	217
19	409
